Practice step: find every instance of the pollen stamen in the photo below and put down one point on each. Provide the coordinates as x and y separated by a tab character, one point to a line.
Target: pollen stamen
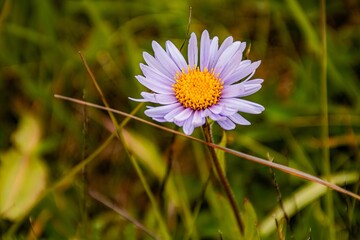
197	89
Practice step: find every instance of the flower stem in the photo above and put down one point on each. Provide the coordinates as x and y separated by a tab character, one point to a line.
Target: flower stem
222	178
329	200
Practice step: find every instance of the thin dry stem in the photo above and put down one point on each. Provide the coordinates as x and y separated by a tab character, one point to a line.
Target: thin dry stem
289	170
99	197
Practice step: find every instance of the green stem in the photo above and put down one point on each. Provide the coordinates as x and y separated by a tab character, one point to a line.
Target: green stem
158	216
222	178
119	131
329	204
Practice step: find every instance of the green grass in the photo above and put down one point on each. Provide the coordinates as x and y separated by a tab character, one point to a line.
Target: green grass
311	98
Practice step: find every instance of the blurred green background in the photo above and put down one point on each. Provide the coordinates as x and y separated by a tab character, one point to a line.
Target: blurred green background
42	139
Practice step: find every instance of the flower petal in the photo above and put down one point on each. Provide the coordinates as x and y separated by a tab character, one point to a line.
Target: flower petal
179	123
185	114
242	105
242	47
242	89
188	126
170	115
238	119
159	98
160	112
214	45
162	56
216	108
198	120
226	124
138	99
226	57
192	51
155	75
233	90
204	50
233	63
176	56
226	43
159	119
241	73
255	81
228	111
213	116
250	89
154	63
155	86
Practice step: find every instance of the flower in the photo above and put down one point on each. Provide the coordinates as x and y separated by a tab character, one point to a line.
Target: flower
189	92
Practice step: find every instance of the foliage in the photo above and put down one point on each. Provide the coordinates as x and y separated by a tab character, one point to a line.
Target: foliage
78	163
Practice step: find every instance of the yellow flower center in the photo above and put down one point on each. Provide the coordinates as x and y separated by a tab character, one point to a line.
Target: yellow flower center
197	89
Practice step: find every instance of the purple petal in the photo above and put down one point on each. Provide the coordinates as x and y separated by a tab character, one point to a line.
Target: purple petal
250	89
204	50
159	119
198	120
233	90
255	81
238	119
242	47
226	124
242	73
154	63
179	123
192	51
155	86
213	116
185	114
226	57
233	63
188	127
155	75
242	89
170	115
243	105
228	111
165	59
138	99
176	56
216	109
214	45
160	112
243	64
227	42
159	98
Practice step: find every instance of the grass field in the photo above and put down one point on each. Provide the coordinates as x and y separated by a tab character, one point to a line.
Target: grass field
66	173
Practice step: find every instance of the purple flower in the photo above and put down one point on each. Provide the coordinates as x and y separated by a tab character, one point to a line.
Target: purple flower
189	92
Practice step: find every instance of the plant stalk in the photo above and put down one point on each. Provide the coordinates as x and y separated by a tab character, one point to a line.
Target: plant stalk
223	180
329	202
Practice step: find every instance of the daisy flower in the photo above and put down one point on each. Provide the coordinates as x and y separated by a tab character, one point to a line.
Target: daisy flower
210	86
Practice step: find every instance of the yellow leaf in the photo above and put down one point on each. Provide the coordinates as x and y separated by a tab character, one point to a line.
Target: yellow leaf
27	136
22	172
22	178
